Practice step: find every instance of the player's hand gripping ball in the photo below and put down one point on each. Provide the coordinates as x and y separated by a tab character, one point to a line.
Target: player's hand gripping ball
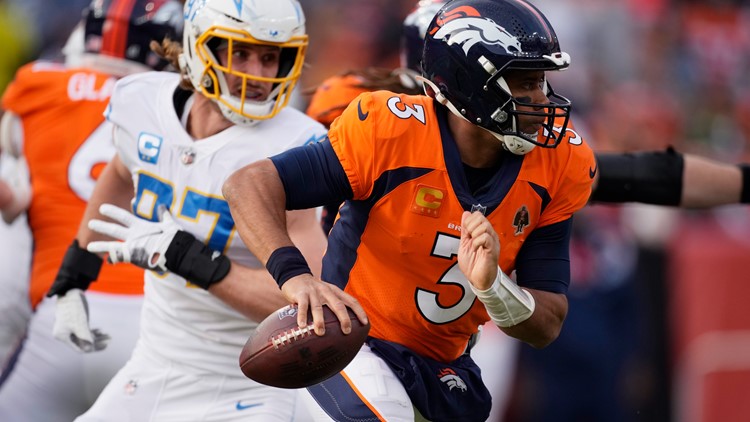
281	354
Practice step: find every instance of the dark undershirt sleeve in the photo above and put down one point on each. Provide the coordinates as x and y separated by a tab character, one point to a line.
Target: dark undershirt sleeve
543	263
312	176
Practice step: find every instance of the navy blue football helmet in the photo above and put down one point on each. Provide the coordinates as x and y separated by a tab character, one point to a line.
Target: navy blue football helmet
412	33
123	29
468	47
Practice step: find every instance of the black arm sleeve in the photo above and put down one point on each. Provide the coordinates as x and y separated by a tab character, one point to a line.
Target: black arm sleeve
543	263
653	177
745	194
312	176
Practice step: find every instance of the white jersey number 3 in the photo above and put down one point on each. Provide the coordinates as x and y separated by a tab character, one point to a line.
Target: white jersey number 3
428	302
404	111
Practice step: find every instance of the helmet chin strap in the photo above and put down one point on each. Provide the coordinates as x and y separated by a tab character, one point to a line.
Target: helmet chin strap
235	117
514	144
511	143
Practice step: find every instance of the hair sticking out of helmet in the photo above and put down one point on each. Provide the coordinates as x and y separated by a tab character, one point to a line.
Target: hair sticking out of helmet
413	32
114	35
470	45
227	24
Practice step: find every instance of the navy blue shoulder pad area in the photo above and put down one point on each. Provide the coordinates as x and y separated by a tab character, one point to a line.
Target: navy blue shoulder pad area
543	263
312	176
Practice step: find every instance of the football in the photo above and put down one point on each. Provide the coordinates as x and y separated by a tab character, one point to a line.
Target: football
281	354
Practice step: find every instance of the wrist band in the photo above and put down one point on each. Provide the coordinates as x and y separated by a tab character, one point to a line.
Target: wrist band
78	269
745	192
285	263
505	302
192	260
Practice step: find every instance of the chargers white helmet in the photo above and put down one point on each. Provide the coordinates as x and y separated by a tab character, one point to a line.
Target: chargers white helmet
211	23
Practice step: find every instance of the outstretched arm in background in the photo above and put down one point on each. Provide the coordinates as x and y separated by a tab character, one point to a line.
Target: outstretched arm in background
708	183
669	178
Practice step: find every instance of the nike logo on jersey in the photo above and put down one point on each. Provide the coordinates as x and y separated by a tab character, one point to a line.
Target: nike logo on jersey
592	172
362	116
241	406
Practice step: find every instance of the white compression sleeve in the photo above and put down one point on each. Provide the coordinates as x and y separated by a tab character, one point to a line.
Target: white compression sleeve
506	303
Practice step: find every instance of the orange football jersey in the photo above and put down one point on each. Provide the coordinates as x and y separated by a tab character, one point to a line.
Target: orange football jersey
332	97
398	255
66	143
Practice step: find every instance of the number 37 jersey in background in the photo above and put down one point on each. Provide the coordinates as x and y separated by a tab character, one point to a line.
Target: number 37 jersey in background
171	169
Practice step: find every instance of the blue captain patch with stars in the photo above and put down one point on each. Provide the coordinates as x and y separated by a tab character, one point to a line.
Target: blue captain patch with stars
149	147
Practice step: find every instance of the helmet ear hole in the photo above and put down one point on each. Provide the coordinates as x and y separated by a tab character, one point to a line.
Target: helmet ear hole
210	83
463	83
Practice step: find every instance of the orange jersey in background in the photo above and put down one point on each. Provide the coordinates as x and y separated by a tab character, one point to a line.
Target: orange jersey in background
398	256
332	97
66	144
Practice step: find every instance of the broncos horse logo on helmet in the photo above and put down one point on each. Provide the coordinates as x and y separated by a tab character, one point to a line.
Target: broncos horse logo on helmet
470	31
468	48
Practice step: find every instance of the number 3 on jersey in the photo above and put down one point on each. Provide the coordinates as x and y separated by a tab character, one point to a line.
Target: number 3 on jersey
152	191
405	111
428	302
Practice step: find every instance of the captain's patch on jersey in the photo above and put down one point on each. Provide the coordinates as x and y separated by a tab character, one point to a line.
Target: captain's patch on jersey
427	201
149	146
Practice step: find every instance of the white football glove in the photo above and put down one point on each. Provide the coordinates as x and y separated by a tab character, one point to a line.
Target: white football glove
142	243
72	323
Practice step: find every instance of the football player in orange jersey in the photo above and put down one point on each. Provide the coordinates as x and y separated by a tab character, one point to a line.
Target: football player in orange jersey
692	181
54	122
432	187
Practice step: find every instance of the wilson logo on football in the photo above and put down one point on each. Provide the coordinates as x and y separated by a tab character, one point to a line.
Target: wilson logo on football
287	311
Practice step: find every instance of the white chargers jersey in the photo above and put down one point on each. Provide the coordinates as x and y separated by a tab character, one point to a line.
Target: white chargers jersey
182	322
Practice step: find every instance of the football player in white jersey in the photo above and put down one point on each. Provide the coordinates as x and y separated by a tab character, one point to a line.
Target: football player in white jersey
54	132
178	138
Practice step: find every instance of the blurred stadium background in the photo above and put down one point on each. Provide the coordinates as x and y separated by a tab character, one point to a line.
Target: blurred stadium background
658	329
